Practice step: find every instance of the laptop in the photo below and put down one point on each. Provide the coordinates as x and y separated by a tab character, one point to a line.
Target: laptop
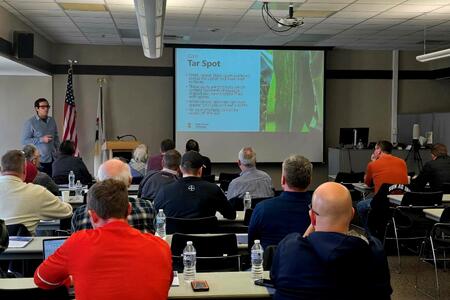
50	245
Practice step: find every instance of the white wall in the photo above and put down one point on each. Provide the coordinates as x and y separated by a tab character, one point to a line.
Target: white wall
17	96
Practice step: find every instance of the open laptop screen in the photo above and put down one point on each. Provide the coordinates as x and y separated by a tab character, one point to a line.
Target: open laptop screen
50	246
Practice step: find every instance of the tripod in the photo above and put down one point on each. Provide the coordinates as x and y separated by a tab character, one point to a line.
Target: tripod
416	154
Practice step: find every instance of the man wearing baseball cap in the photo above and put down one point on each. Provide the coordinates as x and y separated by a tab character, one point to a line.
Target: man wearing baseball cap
191	196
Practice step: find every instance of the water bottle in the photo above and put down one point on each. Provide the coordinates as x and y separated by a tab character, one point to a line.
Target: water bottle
71	180
161	224
257	260
189	259
79	190
247	201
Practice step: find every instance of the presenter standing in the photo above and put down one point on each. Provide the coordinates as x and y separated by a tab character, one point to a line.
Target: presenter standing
41	131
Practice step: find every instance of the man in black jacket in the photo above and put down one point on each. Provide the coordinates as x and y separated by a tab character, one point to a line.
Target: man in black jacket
191	196
436	172
329	261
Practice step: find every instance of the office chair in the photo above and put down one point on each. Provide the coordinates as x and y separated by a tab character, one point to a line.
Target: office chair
216	252
238	203
225	179
408	222
438	242
352	177
192	225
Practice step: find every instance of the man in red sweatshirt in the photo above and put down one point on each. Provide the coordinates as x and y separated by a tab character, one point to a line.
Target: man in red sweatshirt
113	260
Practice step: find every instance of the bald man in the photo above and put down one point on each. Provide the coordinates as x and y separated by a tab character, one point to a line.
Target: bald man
142	211
328	261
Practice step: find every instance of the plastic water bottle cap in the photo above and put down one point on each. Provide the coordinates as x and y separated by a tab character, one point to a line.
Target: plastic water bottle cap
189	243
257	241
160	210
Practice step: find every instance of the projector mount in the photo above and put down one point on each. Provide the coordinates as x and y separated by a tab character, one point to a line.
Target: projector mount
280	25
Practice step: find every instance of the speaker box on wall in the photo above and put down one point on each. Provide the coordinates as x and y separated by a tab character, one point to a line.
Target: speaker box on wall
23	44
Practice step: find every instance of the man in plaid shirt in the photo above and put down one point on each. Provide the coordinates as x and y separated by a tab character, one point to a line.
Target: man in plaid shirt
142	211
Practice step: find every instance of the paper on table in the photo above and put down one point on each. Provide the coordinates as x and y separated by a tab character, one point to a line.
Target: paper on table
19	241
176	280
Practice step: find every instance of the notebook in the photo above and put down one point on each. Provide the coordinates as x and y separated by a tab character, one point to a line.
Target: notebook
19	241
50	245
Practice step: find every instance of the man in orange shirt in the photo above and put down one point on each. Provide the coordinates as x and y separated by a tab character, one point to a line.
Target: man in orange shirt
384	168
113	260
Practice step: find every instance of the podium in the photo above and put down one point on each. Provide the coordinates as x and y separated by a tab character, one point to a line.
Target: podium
113	147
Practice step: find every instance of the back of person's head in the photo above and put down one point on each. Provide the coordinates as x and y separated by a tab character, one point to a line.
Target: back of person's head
38	102
439	150
172	160
67	147
140	154
13	161
191	162
108	199
167	145
192	145
331	208
114	169
385	146
297	171
247	157
30	152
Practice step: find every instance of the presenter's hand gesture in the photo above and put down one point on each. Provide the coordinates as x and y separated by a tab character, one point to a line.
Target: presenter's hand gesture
46	138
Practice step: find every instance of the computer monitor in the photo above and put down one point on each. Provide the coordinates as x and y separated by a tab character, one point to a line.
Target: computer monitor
347	136
50	245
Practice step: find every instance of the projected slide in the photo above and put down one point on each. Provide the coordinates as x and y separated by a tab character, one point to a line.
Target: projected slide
250	91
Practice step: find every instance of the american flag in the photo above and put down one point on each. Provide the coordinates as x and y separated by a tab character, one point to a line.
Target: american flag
70	114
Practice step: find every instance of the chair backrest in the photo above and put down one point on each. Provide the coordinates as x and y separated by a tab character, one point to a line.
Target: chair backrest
445	217
343	177
225	179
422	198
269	252
210	178
4	236
238	203
218	252
193	225
18	230
248	216
446	188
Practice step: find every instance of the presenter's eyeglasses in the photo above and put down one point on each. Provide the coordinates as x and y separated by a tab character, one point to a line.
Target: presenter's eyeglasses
311	209
44	106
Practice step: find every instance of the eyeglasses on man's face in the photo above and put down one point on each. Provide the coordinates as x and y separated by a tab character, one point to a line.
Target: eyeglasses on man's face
44	106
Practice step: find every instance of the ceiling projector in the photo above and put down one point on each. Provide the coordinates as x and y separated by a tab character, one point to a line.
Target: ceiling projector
291	22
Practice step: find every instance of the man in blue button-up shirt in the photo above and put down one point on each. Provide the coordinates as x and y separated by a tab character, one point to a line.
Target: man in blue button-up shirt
41	131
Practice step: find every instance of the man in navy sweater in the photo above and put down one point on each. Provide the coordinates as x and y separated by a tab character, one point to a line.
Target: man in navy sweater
329	261
274	218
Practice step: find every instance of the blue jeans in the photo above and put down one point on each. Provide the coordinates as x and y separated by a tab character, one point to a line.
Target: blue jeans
363	208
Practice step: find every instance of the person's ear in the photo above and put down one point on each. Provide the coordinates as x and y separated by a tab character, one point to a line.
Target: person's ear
353	213
283	180
93	216
129	210
312	216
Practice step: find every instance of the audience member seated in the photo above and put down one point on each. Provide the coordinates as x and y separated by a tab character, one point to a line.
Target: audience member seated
26	203
329	262
154	180
138	164
258	183
192	145
384	168
142	212
191	196
155	161
66	162
113	260
435	172
33	174
274	218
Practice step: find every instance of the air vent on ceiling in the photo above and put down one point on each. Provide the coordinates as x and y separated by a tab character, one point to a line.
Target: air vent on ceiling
173	37
83	6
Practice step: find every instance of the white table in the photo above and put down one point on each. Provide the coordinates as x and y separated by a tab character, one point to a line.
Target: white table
239	217
133	188
397	199
221	285
433	213
363	188
33	250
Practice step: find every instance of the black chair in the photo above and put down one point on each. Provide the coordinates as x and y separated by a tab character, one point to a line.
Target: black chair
59	293
446	188
4	242
137	179
192	225
408	222
238	203
248	216
380	213
18	230
269	253
352	177
210	178
217	252
225	179
438	243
